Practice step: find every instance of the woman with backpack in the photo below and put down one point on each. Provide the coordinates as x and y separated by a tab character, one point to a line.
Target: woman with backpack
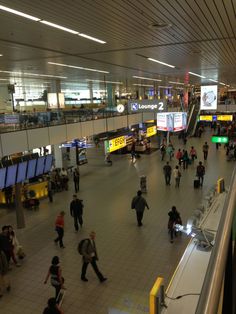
57	281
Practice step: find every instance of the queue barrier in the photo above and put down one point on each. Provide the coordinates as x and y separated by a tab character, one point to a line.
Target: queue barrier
157	297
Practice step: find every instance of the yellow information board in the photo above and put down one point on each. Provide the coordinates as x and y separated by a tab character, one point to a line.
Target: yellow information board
225	117
205	118
152	130
116	143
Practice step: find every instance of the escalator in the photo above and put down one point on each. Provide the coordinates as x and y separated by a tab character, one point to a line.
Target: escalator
192	117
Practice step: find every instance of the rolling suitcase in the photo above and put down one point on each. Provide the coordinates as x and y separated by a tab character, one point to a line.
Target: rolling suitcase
196	184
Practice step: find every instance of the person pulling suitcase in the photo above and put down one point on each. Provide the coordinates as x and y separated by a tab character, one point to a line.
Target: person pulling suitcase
200	175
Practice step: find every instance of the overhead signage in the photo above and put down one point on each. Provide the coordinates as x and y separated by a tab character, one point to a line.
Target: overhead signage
146	105
220	139
226	117
152	130
115	144
171	121
209	97
205	118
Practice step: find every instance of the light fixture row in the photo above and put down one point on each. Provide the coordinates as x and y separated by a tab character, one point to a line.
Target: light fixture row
36	19
198	75
33	74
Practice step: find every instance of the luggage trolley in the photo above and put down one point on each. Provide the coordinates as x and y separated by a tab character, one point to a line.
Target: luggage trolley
143	184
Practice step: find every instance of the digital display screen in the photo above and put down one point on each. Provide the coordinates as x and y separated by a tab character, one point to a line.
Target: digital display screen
21	173
2	177
11	175
180	121
165	121
31	168
40	166
48	163
209	97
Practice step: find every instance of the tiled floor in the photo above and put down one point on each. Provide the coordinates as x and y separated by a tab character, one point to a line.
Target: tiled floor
130	257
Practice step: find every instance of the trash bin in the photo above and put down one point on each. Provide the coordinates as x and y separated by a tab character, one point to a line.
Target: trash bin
143	184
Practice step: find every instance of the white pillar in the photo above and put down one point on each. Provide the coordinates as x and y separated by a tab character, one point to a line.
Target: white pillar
58	156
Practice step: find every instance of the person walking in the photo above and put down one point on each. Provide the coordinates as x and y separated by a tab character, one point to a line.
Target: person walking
205	149
170	151
179	156
139	203
52	307
185	159
193	153
89	254
163	151
4	268
60	229
174	218
57	281
50	186
14	244
200	173
177	176
167	173
76	178
5	243
76	211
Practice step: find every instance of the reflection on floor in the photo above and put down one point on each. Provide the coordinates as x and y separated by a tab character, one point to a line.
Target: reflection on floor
130	257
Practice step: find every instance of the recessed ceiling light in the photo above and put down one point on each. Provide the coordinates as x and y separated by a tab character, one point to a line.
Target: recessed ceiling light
60	27
143	85
163	63
76	67
4	79
102	81
165	87
147	78
213	80
92	38
192	73
33	74
176	83
3	8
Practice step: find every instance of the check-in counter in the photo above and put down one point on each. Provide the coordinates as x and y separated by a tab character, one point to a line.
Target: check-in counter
40	189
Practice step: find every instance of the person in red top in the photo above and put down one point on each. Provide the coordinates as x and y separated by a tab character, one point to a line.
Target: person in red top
179	156
59	224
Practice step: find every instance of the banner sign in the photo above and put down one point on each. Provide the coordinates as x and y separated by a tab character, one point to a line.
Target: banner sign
209	97
146	105
152	130
115	144
171	121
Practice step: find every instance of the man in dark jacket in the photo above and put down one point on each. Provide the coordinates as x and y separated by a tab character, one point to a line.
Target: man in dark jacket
5	244
167	173
200	173
76	211
139	203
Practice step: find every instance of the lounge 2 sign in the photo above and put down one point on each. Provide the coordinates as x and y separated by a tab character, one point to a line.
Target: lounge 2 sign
146	105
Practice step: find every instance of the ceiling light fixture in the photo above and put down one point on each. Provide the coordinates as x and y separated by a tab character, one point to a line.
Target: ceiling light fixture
60	27
165	87
102	81
92	38
3	8
163	63
213	80
192	73
222	83
143	85
33	74
176	83
146	78
4	79
76	67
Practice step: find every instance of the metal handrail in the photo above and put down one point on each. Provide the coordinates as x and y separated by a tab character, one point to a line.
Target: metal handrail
210	295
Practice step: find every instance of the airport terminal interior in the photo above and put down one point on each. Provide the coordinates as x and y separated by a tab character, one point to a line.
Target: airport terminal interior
112	90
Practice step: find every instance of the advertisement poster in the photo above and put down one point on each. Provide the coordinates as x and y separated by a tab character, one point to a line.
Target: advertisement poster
180	121
165	121
209	97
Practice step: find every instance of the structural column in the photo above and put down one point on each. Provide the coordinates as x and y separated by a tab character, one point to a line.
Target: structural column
110	95
20	217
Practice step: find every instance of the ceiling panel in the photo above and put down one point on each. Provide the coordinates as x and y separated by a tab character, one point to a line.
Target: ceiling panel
194	35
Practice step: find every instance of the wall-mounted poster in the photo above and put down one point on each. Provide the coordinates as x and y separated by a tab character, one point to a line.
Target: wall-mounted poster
209	97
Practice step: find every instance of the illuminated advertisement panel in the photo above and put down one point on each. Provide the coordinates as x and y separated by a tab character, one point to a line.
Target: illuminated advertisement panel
209	97
225	117
165	121
180	121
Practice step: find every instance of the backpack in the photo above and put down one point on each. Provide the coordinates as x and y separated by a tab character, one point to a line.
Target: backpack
81	248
